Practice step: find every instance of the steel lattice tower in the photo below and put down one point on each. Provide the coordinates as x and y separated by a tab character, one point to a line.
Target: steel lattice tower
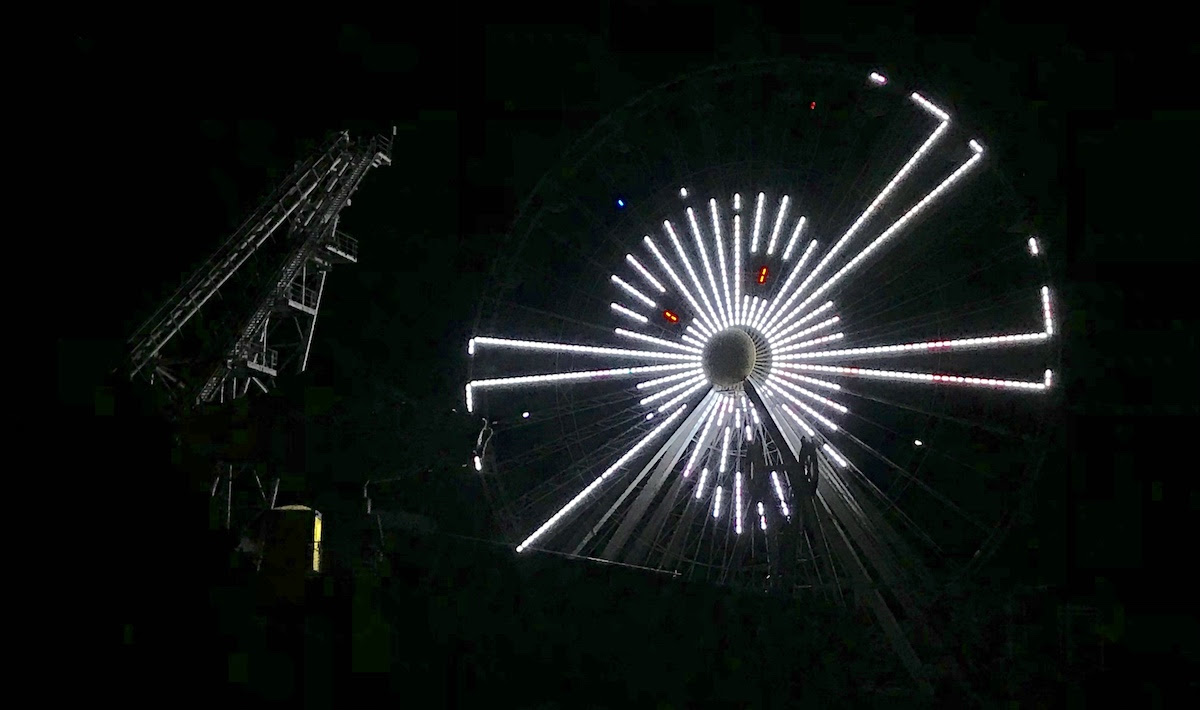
293	240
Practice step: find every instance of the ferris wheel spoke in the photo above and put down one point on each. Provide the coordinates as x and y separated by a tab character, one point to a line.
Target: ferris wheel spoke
577	376
776	386
758	211
779	218
629	289
645	273
896	226
657	341
712	279
791	245
687	265
979	343
660	381
867	213
933	378
787	353
720	248
776	333
701	316
808	393
673	389
779	344
563	348
574	502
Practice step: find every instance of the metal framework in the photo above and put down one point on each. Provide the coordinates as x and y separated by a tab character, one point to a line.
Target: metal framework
293	237
637	479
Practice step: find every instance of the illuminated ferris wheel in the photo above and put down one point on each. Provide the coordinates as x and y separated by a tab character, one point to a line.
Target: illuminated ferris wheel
777	325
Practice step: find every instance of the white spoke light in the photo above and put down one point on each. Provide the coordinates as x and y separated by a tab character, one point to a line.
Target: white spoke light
571	504
633	291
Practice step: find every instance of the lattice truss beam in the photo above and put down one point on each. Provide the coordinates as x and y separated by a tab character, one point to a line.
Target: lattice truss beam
250	311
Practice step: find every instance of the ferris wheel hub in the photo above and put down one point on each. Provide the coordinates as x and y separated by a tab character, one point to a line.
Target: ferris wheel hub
729	358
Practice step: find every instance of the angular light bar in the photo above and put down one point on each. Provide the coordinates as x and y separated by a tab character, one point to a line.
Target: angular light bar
926	377
835	455
632	315
633	451
931	345
645	274
633	291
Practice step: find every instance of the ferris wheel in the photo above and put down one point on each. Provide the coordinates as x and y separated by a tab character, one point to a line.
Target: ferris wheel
773	323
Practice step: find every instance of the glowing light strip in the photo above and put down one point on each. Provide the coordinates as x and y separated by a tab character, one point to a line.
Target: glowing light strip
712	279
762	516
926	377
725	451
787	252
662	260
645	274
811	329
656	341
877	78
896	226
801	404
632	315
804	344
1033	246
758	209
804	378
684	395
689	339
710	417
928	106
737	502
633	451
717	503
1046	311
702	327
835	455
576	376
701	482
783	205
779	493
883	195
687	264
672	389
752	311
796	417
737	267
959	344
586	349
811	395
633	291
811	314
720	245
669	378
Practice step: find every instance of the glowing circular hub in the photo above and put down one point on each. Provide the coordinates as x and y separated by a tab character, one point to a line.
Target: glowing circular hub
729	357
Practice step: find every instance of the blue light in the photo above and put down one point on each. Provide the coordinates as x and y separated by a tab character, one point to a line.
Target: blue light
620	203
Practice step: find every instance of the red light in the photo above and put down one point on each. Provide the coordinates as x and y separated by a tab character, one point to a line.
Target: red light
762	275
813	106
671	316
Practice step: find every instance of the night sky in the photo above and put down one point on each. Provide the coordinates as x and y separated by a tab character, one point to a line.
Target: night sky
163	168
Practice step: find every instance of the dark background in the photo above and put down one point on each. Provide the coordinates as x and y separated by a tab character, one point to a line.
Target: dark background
1105	116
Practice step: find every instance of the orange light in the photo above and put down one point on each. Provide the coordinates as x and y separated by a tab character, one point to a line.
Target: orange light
762	275
671	316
